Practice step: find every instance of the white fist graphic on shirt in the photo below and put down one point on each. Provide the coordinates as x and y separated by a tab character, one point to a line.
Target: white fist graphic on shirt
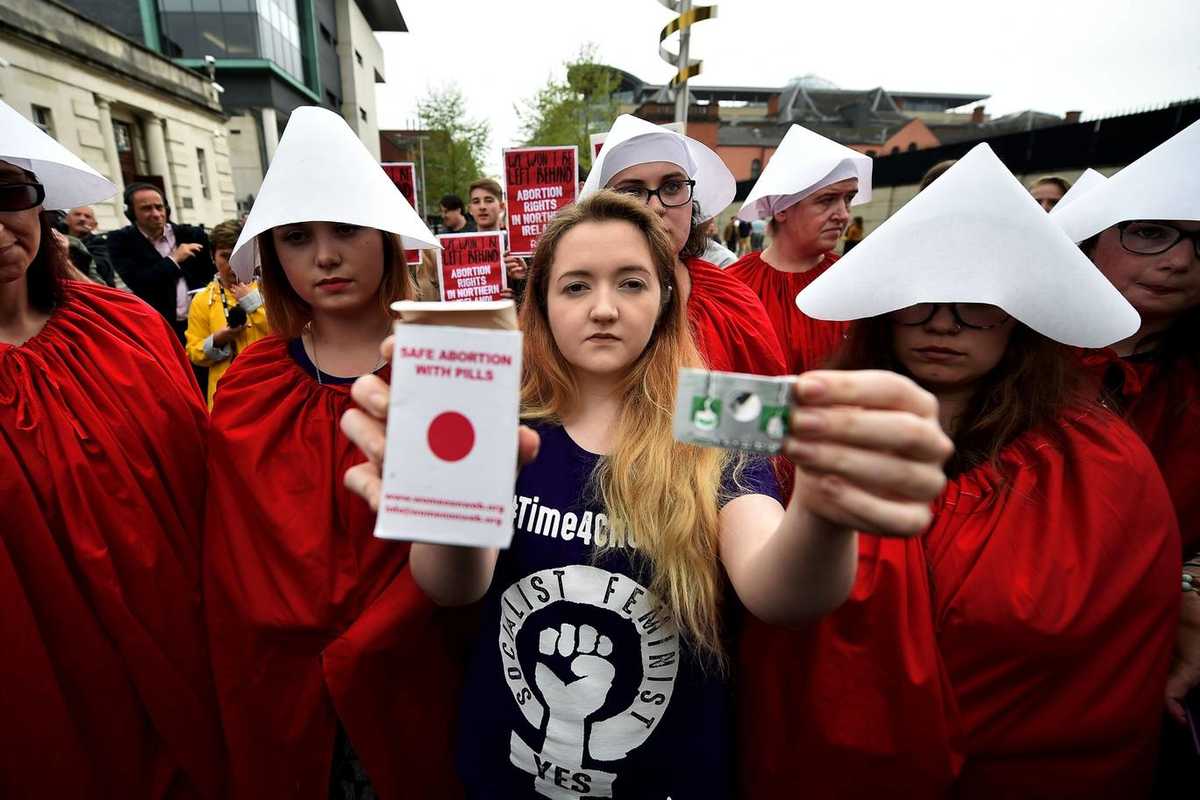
570	704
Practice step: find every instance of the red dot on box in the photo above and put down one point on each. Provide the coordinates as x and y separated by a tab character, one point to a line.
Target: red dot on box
451	436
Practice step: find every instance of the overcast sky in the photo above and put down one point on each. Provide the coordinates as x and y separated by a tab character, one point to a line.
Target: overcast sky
1099	56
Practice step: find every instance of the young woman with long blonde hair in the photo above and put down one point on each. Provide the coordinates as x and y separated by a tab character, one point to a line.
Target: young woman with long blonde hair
685	184
599	669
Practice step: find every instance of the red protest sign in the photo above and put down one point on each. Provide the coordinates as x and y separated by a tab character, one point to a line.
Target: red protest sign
404	175
471	266
538	181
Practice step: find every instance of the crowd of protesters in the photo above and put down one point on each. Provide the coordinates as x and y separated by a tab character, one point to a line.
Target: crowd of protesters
961	578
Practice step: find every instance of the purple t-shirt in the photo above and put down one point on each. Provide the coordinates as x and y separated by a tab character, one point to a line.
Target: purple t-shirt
580	685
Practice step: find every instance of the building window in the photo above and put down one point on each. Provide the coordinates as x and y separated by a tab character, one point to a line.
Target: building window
43	119
895	149
268	29
123	138
202	165
362	112
755	168
358	57
912	146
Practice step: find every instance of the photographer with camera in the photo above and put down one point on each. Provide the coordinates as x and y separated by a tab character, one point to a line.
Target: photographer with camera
226	316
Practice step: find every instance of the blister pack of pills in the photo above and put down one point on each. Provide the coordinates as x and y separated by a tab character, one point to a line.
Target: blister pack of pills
732	410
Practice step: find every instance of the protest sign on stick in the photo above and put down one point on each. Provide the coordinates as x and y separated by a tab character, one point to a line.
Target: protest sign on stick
404	175
538	182
471	266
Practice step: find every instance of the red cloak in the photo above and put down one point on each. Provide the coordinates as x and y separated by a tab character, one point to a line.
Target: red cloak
729	323
312	619
105	688
807	343
1045	595
1162	403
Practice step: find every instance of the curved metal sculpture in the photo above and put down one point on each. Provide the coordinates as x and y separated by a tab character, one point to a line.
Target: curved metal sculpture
686	67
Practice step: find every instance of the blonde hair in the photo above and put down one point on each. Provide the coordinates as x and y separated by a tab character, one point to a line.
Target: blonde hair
659	494
287	310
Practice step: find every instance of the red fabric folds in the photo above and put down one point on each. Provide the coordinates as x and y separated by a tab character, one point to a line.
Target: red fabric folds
806	343
1052	601
313	620
856	706
105	689
729	323
1162	403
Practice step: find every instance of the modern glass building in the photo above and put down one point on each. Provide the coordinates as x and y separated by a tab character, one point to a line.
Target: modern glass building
270	57
238	29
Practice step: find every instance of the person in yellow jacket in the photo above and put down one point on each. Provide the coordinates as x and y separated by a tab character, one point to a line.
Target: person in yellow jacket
226	316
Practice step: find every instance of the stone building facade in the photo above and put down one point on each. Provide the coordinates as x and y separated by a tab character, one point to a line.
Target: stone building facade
130	113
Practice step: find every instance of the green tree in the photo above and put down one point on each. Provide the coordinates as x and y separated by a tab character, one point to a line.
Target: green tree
565	112
457	145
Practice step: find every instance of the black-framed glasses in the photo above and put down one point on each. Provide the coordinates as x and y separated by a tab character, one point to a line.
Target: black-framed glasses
21	196
979	316
672	193
1151	238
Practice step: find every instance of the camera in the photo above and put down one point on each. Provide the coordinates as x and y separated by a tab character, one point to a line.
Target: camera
235	317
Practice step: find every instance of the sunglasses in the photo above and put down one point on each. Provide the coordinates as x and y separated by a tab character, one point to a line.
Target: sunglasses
979	316
21	196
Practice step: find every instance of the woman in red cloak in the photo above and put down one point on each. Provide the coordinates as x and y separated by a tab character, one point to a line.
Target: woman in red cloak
805	193
105	689
1020	647
336	676
686	183
1142	231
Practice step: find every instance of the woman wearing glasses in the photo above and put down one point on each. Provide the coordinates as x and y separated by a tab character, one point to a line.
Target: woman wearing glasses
105	684
1018	648
1142	230
685	184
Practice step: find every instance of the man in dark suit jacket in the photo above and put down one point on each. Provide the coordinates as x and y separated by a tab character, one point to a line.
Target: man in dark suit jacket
158	259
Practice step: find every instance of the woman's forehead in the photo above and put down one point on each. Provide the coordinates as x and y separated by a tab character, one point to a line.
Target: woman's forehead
606	244
650	171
